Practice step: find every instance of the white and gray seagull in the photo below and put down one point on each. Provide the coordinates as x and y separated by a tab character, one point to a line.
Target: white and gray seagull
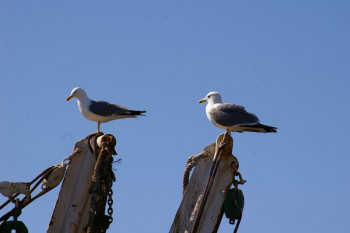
99	110
232	117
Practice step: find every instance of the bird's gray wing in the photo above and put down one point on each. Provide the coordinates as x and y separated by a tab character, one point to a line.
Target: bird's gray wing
104	108
231	115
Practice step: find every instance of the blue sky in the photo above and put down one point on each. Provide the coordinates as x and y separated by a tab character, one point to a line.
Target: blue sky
286	61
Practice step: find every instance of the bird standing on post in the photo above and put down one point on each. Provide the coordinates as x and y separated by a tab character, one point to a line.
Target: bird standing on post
232	117
99	110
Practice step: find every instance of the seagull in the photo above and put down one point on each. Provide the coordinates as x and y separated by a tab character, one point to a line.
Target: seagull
99	110
232	117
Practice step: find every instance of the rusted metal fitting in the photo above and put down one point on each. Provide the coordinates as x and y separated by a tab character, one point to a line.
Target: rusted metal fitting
107	142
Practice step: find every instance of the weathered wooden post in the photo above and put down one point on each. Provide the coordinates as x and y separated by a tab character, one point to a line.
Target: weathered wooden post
201	208
71	213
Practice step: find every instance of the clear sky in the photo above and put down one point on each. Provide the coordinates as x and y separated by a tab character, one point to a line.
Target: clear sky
286	61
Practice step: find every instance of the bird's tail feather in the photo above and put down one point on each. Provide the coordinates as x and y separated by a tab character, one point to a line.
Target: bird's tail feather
260	128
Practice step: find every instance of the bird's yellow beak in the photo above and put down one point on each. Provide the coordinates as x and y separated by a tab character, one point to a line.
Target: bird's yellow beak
202	101
69	97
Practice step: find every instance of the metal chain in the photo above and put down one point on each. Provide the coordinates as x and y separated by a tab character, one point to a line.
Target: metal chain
110	202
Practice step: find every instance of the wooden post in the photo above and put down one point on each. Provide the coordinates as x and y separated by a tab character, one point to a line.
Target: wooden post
71	212
194	215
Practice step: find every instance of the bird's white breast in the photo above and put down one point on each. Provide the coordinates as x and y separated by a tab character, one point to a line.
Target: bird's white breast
208	108
84	110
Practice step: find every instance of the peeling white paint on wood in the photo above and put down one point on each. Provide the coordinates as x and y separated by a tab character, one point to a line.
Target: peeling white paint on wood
212	212
72	207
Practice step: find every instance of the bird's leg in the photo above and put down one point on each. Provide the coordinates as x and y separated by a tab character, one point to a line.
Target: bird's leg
226	134
98	128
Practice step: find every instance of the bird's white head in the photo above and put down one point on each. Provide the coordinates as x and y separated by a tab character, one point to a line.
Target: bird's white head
77	93
212	97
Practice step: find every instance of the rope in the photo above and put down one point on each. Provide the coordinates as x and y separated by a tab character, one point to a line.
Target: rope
191	162
102	181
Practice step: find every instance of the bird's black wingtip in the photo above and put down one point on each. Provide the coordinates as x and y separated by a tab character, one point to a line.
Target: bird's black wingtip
135	113
269	129
259	128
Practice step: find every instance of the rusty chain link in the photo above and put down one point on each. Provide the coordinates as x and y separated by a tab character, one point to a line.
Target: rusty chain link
110	203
